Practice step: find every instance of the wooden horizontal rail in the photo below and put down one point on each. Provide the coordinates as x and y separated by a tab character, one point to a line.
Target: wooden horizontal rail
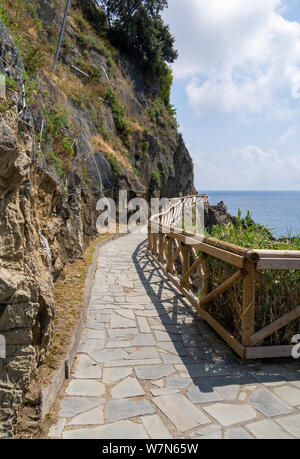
278	253
221	254
248	254
195	239
267	352
232	258
278	264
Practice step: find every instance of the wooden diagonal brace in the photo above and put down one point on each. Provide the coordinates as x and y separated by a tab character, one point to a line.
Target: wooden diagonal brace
176	254
222	288
194	266
275	326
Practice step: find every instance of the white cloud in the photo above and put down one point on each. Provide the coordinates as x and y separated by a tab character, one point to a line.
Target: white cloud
248	167
238	55
255	156
287	135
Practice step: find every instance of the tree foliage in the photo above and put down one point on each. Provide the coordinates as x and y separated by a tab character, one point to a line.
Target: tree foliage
124	10
136	26
166	81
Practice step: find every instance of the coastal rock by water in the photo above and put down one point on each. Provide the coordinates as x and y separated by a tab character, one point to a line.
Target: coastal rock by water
216	215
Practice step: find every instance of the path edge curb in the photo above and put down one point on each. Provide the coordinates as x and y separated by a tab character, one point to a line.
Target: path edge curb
49	394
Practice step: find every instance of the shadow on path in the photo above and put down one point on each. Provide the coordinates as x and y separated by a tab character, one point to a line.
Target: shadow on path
205	358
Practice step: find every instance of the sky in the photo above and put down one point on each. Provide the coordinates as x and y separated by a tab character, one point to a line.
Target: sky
237	91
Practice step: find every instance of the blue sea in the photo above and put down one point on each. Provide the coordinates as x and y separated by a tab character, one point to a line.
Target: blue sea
278	210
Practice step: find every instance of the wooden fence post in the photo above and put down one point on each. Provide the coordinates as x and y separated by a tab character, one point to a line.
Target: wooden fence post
161	247
170	253
149	238
248	309
186	261
160	238
154	244
205	279
149	232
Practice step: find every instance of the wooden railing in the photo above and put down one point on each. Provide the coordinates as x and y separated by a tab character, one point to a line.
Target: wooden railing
169	245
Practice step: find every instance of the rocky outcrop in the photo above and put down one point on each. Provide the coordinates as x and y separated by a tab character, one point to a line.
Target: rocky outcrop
183	175
216	215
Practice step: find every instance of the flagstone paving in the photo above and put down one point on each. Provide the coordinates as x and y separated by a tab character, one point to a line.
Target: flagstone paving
149	367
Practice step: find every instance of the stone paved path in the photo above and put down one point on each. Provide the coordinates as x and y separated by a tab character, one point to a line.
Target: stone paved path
148	367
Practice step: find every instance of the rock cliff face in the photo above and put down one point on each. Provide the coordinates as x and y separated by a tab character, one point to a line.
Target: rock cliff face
93	128
41	229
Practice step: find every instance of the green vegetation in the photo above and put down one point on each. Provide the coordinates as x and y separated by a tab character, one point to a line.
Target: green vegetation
145	148
164	119
12	13
32	87
78	98
171	168
67	44
95	16
68	146
103	131
84	176
156	177
250	235
11	85
166	81
90	42
4	18
95	73
80	22
3	106
54	159
59	146
137	28
157	112
34	60
117	167
110	62
119	115
56	120
137	172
